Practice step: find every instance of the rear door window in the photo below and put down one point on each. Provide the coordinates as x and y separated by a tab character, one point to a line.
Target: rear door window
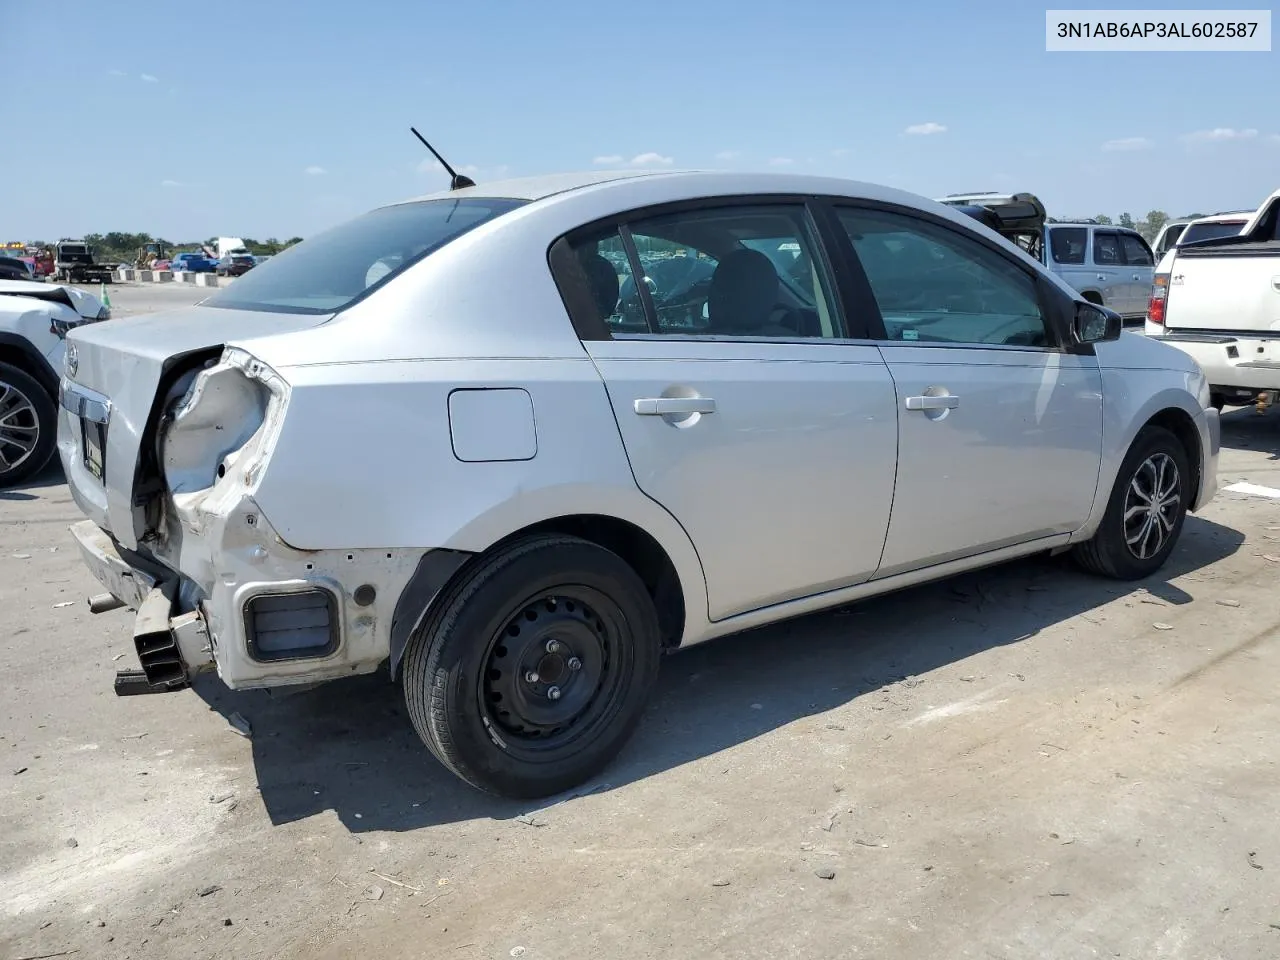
734	271
1106	249
1066	244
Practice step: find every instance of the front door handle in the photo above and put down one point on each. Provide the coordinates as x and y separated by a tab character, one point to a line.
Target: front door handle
673	406
1137	276
933	403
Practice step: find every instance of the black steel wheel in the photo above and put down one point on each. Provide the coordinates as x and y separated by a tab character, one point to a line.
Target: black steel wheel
1144	516
532	671
553	672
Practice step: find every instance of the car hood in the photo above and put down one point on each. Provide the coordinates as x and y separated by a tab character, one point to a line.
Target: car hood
81	301
124	362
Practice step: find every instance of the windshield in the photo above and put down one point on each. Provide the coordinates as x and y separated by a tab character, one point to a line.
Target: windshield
333	269
1211	231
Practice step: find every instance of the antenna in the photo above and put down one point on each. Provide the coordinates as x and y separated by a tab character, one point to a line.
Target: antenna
459	181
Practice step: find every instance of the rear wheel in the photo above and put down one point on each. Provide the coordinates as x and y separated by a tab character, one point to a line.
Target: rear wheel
28	420
535	667
1146	511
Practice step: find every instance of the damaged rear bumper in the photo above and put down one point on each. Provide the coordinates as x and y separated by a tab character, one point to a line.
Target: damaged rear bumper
172	646
259	612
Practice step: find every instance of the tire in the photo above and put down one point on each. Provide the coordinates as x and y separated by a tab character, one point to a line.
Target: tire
25	409
493	698
1109	552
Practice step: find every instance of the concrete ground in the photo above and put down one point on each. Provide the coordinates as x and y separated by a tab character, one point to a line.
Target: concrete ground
1026	762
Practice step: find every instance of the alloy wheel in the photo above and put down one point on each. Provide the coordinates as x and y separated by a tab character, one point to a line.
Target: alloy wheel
19	427
1151	505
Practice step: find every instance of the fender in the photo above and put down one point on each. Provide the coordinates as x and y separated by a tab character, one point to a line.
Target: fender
34	362
543	504
1120	429
437	567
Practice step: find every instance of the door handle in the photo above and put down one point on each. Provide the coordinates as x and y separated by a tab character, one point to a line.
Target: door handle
1102	276
933	403
677	406
1137	276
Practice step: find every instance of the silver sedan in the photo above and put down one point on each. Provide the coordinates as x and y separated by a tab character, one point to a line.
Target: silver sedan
517	441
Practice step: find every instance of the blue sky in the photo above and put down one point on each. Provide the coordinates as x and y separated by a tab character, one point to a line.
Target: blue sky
275	119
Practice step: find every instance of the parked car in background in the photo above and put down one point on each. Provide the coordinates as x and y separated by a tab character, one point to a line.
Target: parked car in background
235	264
193	263
1216	296
1108	265
12	268
34	320
555	485
1167	237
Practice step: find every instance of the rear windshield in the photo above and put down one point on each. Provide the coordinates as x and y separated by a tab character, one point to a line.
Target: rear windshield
331	270
1211	231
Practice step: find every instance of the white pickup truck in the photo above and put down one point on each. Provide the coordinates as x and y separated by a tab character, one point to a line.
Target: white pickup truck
1219	301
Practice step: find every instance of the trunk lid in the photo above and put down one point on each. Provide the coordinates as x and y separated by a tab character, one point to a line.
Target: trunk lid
113	373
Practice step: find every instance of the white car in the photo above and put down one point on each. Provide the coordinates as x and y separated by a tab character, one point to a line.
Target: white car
34	320
1216	296
517	476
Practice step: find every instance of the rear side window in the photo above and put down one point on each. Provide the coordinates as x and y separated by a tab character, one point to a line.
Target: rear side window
1066	244
1136	253
331	270
1106	248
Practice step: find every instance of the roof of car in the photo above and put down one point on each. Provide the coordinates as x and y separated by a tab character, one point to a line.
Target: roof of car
535	188
711	182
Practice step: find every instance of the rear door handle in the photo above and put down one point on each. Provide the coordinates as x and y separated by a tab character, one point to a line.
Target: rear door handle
1137	276
666	406
933	403
1102	276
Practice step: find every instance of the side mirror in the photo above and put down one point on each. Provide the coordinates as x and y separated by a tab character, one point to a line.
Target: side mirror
1095	324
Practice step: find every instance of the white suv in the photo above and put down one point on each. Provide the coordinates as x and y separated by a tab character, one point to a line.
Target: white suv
518	441
34	320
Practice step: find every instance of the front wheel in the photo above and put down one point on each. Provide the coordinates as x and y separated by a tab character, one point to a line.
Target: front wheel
534	669
1146	511
28	420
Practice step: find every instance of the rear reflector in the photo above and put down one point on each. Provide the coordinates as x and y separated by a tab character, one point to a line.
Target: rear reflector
291	626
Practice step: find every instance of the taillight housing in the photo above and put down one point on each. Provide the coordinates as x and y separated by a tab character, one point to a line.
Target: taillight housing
1159	297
